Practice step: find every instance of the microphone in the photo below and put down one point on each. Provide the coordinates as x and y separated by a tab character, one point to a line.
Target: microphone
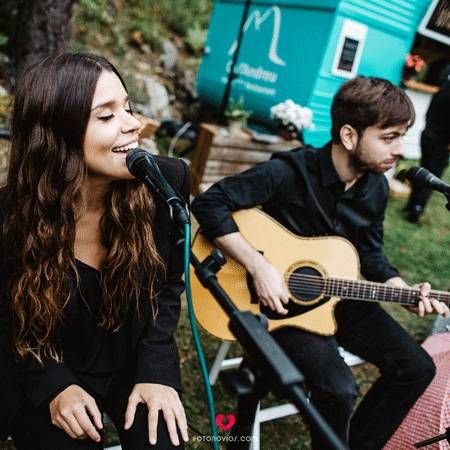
423	177
143	166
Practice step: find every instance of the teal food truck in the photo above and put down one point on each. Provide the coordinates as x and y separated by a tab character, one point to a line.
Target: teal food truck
305	49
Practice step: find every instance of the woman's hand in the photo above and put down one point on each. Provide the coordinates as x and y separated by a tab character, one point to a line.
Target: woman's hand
158	397
69	411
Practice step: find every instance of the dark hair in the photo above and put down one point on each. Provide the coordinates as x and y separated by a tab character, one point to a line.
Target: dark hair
367	101
51	111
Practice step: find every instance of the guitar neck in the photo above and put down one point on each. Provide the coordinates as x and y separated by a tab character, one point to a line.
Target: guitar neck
370	291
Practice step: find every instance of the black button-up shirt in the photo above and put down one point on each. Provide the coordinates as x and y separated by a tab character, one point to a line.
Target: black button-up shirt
302	190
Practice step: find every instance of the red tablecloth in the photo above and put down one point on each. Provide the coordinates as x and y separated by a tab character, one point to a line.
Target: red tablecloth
430	416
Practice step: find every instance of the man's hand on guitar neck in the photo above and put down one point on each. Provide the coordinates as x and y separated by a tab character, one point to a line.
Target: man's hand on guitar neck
425	305
269	283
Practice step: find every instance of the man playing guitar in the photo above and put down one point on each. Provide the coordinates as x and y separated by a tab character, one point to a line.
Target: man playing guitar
340	190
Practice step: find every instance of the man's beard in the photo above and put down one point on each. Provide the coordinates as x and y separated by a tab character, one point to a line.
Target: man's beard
355	161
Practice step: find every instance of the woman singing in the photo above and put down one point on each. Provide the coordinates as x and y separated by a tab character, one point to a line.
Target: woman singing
90	270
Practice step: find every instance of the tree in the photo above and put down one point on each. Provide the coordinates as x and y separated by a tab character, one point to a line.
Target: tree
43	28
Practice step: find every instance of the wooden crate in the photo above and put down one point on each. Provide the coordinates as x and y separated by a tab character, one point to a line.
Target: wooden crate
218	155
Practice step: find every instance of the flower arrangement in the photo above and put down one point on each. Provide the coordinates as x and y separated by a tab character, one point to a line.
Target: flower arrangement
413	65
292	117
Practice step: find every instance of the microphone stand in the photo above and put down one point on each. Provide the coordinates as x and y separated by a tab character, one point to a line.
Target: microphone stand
434	439
232	75
267	361
178	210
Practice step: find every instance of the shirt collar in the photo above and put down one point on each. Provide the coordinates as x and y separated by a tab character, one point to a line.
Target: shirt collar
327	169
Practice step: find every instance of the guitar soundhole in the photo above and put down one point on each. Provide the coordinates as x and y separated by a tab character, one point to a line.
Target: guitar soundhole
306	284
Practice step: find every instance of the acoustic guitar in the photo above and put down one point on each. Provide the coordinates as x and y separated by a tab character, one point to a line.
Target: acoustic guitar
319	272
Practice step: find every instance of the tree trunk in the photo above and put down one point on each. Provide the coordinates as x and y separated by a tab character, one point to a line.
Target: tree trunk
43	29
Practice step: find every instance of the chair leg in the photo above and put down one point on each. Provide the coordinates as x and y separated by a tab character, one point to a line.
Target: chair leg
242	433
217	364
249	405
220	363
256	433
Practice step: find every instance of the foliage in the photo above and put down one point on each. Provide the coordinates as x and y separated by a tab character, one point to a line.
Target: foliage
3	40
236	110
118	24
8	12
195	38
181	15
114	27
5	109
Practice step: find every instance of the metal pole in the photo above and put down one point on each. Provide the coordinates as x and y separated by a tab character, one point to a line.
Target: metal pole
232	75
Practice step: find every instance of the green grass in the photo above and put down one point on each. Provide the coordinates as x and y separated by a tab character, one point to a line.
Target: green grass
419	251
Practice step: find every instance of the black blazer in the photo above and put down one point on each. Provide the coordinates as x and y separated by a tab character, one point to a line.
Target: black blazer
153	341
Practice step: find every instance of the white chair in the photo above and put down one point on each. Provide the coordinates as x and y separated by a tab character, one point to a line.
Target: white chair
265	414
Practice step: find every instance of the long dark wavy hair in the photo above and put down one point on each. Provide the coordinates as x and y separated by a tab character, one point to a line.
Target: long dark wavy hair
44	191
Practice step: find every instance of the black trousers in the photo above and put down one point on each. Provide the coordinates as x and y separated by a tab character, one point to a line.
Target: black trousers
366	330
434	158
33	429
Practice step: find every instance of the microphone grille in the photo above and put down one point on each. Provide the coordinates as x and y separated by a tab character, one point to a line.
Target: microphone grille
134	156
415	173
412	173
419	176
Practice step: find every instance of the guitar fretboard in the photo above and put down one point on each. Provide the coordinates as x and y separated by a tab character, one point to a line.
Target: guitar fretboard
369	291
366	290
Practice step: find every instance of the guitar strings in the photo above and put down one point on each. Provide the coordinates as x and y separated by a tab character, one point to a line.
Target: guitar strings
309	290
315	280
359	282
352	296
402	293
335	284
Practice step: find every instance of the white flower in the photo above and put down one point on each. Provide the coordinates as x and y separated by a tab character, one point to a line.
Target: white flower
290	113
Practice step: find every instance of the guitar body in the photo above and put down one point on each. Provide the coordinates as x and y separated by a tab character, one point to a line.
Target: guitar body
309	309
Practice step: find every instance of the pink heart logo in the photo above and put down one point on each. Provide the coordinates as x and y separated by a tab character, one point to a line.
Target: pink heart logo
225	422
